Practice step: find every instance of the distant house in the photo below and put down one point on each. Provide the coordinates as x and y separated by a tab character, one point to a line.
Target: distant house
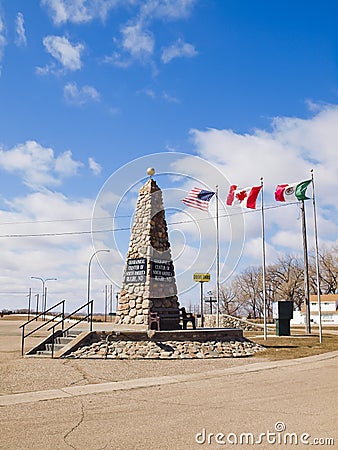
328	306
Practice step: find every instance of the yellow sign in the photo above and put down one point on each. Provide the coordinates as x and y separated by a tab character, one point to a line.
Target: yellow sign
202	277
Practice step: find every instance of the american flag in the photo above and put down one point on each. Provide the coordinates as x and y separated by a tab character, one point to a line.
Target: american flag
198	198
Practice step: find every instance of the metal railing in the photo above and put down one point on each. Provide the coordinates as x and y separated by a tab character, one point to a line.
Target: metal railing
43	313
89	316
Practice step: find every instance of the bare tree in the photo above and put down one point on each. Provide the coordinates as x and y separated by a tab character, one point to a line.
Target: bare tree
328	271
286	279
248	286
229	303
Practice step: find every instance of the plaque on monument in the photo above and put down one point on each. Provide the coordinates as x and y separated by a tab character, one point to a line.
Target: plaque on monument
162	270
136	270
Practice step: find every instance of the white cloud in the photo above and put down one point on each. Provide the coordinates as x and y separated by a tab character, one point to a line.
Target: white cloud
65	53
170	98
21	39
37	165
94	166
136	44
48	205
64	257
65	165
252	251
81	11
286	239
148	92
162	95
79	96
180	49
139	43
166	9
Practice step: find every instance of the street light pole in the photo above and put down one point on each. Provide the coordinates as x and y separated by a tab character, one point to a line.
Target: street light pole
29	302
88	277
37	305
44	294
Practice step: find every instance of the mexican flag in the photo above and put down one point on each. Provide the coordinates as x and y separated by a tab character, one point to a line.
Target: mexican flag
245	197
292	192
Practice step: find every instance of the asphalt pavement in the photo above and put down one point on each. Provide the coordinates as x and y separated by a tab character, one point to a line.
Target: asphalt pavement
134	405
283	404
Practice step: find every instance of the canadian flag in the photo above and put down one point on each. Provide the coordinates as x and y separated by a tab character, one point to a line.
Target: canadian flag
245	197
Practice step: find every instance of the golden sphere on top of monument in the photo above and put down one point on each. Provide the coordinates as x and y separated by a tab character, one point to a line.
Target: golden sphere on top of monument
150	171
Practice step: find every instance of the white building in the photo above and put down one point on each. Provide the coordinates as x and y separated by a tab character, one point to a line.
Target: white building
329	310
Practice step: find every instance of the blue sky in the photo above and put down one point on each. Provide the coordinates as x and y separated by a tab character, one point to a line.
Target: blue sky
87	87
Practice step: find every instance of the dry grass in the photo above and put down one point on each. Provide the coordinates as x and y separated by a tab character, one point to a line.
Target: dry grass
297	346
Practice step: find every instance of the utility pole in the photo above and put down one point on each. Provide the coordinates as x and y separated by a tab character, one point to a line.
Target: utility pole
37	304
29	302
111	303
117	303
105	302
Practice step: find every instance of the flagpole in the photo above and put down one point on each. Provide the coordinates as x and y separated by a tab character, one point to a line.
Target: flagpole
317	257
306	270
217	258
263	260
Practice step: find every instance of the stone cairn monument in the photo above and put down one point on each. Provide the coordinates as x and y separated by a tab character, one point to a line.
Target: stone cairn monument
149	284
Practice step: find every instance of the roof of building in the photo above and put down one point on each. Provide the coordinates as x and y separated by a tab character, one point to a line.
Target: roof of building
324	298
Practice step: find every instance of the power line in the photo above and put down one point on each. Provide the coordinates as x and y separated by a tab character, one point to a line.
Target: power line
63	220
79	219
13	293
109	230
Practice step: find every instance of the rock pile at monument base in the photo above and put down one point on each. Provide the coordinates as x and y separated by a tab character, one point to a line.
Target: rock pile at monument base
114	347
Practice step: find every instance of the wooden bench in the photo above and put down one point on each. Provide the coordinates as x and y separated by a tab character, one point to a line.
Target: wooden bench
170	318
165	319
186	318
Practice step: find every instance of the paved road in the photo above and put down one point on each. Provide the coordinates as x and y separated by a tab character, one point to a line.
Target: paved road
171	412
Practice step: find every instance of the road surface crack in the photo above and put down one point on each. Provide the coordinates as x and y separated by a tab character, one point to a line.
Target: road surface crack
85	377
66	436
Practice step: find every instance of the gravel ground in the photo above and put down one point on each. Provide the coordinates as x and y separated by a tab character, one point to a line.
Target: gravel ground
33	374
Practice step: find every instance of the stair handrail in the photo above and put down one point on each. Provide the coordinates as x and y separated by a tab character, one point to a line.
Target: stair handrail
88	316
43	313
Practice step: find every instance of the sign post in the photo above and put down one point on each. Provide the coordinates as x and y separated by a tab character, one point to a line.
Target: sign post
202	278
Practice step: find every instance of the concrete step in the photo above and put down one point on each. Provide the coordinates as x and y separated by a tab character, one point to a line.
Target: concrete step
72	333
56	347
63	340
43	353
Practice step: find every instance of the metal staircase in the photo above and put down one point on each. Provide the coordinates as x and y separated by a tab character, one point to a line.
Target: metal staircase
60	337
48	349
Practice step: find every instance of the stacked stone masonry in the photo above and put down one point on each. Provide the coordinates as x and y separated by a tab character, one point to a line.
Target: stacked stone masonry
143	291
226	321
115	348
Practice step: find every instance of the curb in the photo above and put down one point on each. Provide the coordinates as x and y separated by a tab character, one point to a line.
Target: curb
75	391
